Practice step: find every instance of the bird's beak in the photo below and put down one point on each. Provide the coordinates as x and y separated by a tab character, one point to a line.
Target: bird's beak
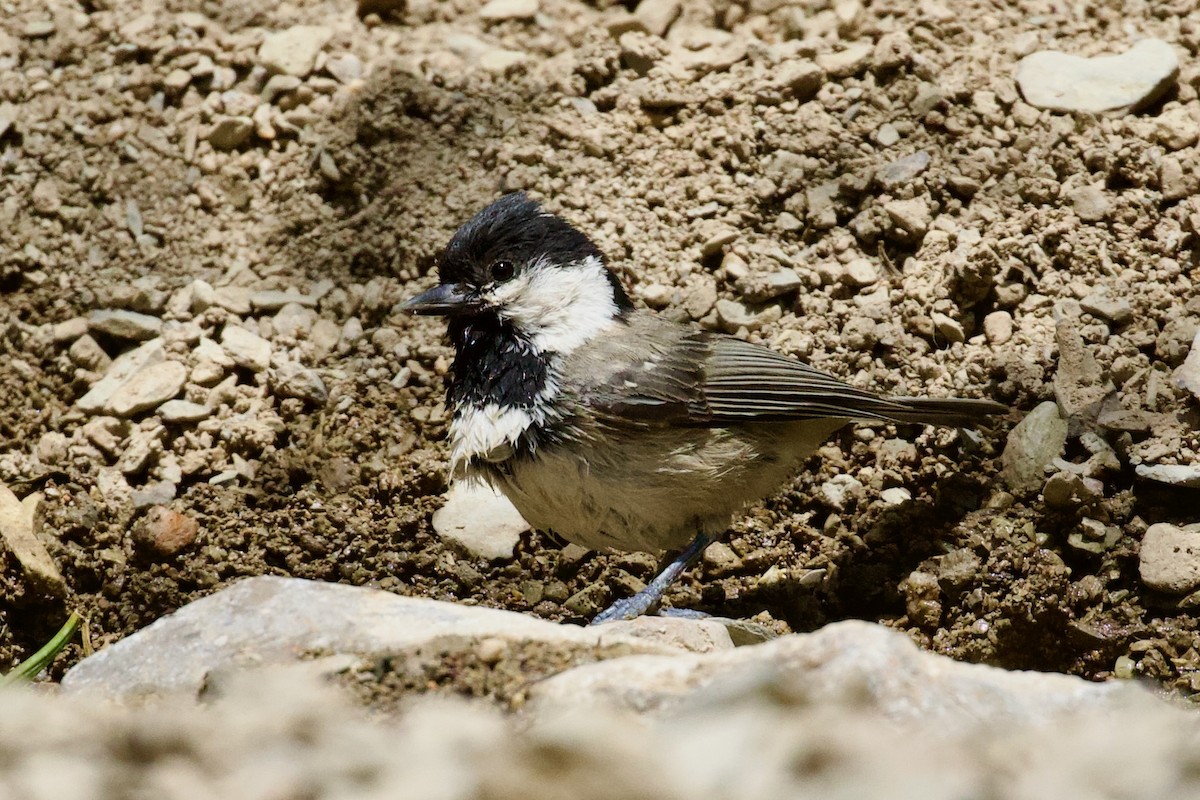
444	300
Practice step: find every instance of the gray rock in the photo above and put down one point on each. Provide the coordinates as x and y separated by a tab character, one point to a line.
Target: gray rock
1187	376
1032	445
294	51
125	324
87	353
883	668
1100	305
760	288
480	521
294	380
247	349
270	620
1186	475
1080	385
121	369
274	299
498	10
1126	82
346	68
148	388
851	60
1169	559
176	411
911	216
904	170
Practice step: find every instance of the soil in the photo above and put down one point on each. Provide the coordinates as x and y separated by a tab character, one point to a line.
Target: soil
701	163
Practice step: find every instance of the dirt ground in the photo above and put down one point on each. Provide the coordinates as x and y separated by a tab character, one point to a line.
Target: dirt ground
145	147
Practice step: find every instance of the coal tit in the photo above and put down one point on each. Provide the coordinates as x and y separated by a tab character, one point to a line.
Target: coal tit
612	426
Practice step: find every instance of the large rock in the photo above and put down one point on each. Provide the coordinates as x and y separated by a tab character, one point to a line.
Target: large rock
881	668
1063	82
267	619
1169	559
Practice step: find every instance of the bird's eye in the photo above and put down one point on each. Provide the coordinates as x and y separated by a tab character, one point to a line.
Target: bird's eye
502	270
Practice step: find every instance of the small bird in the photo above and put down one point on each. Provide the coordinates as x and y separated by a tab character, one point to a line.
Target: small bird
612	426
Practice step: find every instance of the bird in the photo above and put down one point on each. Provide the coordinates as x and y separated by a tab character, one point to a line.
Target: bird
610	425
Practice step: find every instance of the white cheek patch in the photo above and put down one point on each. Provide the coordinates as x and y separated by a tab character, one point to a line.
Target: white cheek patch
558	308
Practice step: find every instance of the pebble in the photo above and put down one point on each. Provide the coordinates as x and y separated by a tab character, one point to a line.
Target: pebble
230	133
247	349
38	29
802	78
1090	202
18	535
998	327
851	60
839	490
294	380
1169	558
1064	82
1176	129
346	68
273	300
658	15
148	388
125	324
733	315
911	216
121	369
887	135
655	295
1099	304
716	238
498	10
164	532
1187	376
278	85
948	328
860	272
1033	444
176	411
904	170
294	51
761	288
480	521
896	495
69	330
156	493
86	353
1186	475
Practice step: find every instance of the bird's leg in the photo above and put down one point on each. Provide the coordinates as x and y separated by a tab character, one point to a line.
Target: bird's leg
649	597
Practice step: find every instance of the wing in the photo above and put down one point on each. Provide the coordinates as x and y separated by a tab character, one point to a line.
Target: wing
711	380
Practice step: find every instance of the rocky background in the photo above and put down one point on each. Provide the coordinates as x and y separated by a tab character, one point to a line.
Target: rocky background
209	211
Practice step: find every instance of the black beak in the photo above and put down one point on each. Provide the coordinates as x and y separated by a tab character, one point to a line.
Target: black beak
444	300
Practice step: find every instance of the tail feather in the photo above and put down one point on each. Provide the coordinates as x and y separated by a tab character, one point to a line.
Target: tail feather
950	411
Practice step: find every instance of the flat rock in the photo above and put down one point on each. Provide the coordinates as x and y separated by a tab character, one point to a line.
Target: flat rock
148	388
18	535
883	668
294	380
269	620
1033	444
904	170
125	324
1169	559
657	16
1080	385
294	51
246	349
1126	82
1185	475
761	288
696	636
175	411
121	369
497	10
275	299
1187	376
480	521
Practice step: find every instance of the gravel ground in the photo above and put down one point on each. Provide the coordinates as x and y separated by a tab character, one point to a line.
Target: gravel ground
208	212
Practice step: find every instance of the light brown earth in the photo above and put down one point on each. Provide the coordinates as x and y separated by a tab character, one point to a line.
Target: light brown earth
701	162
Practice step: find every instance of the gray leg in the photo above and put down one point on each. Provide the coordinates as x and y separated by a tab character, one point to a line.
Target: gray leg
649	597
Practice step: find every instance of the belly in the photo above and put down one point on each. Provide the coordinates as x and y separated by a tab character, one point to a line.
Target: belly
655	491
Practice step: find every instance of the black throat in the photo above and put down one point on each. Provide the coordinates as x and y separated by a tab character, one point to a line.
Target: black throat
493	363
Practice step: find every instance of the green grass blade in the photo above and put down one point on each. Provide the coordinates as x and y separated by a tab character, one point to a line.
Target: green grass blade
28	669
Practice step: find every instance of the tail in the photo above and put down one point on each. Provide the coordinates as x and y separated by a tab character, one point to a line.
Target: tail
951	411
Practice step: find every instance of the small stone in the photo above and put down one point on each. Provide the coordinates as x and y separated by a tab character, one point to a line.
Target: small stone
892	51
346	68
838	491
125	324
45	197
1090	202
1169	558
896	495
655	295
801	78
38	29
904	170
18	532
498	10
273	300
658	15
148	388
480	521
716	238
849	61
294	51
1068	491
910	216
157	493
1187	376
164	532
948	328
69	330
1032	445
733	315
247	349
1176	129
122	368
887	135
762	288
278	85
699	297
1185	475
998	327
1126	82
1175	180
293	380
177	411
176	81
89	355
860	272
209	350
230	133
1099	304
499	61
234	299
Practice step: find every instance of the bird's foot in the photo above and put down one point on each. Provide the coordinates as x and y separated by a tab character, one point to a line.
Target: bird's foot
629	607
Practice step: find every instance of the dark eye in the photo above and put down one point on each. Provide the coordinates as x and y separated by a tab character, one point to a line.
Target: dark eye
502	270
